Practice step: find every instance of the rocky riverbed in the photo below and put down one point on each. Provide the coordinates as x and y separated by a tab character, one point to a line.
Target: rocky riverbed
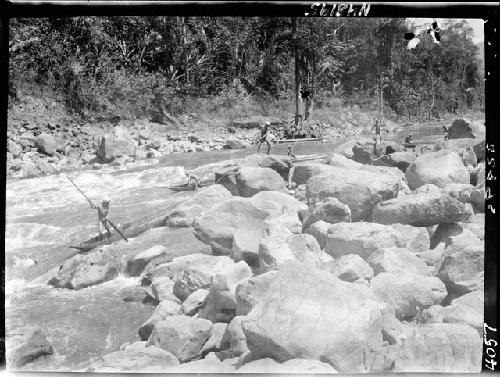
43	140
369	260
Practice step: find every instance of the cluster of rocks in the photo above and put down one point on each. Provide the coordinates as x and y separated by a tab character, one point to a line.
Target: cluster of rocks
367	266
43	149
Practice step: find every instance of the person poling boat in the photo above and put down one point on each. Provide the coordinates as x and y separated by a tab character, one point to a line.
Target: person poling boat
102	212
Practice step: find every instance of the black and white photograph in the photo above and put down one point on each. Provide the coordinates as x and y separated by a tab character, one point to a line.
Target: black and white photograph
297	192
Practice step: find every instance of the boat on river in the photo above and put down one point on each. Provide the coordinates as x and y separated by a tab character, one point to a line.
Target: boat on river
129	230
187	187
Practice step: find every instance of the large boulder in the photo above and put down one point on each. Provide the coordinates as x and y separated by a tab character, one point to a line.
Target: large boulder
360	190
463	128
319	230
48	144
364	151
198	276
137	264
467	310
417	238
218	226
440	348
246	245
185	213
160	289
26	345
234	338
330	210
395	260
433	258
215	342
305	170
455	145
462	269
115	144
277	248
444	231
481	175
421	210
479	149
251	180
277	203
350	267
301	366
345	149
279	163
208	365
83	271
310	314
182	336
361	238
235	143
165	308
341	161
249	292
221	300
135	358
195	302
408	293
440	168
177	265
401	160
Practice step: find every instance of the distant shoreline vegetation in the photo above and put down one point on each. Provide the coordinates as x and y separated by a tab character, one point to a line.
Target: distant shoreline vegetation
151	67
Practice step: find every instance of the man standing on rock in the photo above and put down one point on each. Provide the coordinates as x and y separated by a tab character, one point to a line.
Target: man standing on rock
102	212
193	180
378	131
265	135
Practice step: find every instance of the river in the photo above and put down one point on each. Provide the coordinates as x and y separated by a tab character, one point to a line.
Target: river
45	214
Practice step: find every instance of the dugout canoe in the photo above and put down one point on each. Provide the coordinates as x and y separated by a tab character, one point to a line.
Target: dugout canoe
129	230
186	187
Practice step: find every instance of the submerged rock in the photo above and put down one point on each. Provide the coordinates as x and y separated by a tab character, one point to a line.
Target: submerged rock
83	271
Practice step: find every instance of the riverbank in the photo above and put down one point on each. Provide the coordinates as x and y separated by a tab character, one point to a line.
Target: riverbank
42	139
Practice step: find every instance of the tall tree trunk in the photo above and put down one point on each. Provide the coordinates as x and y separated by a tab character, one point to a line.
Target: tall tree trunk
313	84
297	71
381	98
184	43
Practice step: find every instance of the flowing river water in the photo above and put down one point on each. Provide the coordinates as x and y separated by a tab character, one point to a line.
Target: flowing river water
45	214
